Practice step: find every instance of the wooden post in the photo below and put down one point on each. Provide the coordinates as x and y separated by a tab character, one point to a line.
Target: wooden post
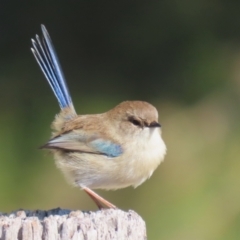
60	224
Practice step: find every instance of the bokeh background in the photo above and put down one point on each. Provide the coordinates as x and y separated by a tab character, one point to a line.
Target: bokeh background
182	56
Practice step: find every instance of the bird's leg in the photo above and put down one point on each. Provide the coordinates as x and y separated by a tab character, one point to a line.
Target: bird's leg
100	202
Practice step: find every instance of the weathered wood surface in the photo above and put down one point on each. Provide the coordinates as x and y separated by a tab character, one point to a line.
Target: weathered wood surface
60	224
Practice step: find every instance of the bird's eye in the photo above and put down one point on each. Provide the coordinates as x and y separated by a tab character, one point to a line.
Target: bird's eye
135	121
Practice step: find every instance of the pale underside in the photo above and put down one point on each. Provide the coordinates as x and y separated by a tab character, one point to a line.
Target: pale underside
133	167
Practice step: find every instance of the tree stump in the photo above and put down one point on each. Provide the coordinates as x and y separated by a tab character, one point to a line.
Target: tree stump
61	224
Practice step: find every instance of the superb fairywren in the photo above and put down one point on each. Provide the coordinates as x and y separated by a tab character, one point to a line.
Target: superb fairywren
111	150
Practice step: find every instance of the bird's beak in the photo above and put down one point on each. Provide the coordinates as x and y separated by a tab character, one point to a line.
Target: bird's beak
154	124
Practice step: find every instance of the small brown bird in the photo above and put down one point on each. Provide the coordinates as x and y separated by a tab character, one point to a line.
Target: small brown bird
115	149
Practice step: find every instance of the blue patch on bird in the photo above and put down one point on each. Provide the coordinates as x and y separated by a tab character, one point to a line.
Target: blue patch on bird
107	147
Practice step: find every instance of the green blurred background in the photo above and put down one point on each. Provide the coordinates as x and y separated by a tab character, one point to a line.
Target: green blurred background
182	56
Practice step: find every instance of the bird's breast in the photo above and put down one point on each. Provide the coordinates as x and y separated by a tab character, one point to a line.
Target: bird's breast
143	154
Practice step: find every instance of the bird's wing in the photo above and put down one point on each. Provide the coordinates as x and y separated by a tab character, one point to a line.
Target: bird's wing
81	141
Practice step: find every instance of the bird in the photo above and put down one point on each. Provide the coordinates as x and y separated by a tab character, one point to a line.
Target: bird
115	149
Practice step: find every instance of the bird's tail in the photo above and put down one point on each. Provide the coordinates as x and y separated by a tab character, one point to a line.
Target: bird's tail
47	59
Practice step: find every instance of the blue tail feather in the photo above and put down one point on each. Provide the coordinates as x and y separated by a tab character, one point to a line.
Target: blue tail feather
47	59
